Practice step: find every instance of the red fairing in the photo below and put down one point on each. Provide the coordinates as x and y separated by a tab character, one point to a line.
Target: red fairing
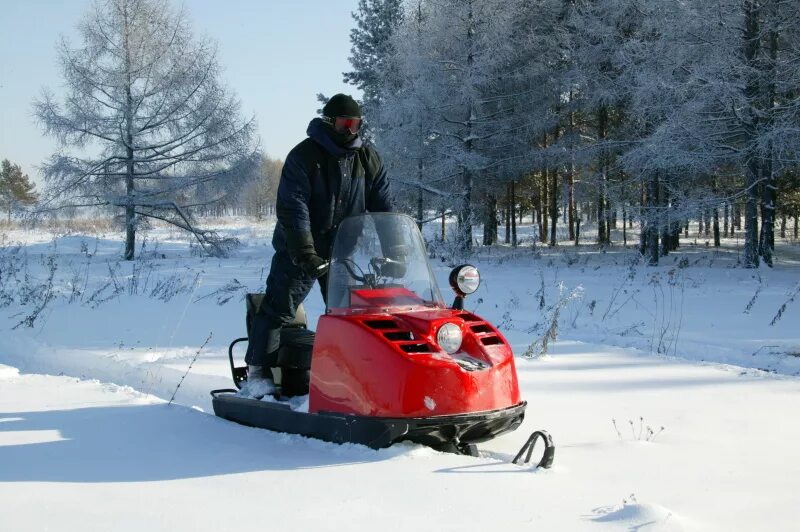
390	365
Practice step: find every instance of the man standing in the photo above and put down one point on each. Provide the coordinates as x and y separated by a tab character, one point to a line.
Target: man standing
328	176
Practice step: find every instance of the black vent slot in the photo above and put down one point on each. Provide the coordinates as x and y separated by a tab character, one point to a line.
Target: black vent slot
466	316
416	348
491	340
381	324
481	328
399	336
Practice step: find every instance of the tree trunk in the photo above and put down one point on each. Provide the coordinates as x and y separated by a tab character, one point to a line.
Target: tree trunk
130	211
490	221
420	205
543	230
602	216
512	204
770	186
676	236
642	222
715	215
553	204
465	216
652	220
663	221
507	214
624	225
571	199
752	92
537	199
571	173
783	226
725	220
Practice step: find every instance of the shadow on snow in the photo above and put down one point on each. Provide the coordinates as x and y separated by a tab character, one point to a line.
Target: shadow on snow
157	442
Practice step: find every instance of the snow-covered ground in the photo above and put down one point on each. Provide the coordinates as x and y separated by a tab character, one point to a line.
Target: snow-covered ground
88	441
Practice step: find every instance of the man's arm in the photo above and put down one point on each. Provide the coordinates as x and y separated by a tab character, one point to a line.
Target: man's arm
380	194
294	191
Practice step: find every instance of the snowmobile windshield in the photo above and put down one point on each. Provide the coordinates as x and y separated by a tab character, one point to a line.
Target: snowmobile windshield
379	261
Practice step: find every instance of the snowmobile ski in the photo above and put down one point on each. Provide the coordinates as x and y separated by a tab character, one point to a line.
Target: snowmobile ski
453	433
527	449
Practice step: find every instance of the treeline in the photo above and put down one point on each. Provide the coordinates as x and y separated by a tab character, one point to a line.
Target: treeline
588	112
255	197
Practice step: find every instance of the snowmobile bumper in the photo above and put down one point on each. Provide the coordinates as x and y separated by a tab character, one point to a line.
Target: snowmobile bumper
453	433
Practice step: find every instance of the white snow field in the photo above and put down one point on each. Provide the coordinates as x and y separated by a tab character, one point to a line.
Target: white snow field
88	440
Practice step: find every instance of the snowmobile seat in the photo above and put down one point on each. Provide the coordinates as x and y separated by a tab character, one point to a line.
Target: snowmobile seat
253	302
294	360
294	356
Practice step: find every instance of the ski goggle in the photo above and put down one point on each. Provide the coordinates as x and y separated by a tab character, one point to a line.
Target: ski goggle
346	123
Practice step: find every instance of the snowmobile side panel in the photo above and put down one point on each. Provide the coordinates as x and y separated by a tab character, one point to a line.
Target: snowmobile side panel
449	433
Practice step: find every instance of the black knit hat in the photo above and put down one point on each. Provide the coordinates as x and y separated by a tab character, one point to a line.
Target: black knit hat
341	105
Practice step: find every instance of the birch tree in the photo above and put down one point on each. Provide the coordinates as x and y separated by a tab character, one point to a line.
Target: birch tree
146	127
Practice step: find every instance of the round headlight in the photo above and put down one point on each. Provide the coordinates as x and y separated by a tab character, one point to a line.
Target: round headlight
449	337
465	279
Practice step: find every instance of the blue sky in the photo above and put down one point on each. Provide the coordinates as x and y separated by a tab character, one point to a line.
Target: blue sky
276	54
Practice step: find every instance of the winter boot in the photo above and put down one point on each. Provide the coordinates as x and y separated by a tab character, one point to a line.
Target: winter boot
258	384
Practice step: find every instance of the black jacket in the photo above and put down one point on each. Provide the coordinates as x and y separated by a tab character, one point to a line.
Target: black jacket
310	187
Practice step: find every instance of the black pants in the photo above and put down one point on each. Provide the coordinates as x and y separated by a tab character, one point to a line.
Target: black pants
287	287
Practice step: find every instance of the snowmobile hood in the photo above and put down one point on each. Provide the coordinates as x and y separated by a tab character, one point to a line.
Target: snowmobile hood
317	131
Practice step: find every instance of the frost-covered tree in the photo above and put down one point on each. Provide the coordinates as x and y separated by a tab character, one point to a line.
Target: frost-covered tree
463	53
736	77
372	47
659	111
402	122
157	132
607	31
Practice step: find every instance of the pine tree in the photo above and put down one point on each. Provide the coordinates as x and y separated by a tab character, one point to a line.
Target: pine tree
16	188
376	22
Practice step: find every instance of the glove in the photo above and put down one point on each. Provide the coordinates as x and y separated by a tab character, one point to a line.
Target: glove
394	267
299	244
313	265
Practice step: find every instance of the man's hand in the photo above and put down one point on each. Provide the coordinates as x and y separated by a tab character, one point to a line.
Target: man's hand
313	265
395	265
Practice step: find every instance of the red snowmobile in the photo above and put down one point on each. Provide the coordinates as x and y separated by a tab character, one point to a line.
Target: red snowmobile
390	361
